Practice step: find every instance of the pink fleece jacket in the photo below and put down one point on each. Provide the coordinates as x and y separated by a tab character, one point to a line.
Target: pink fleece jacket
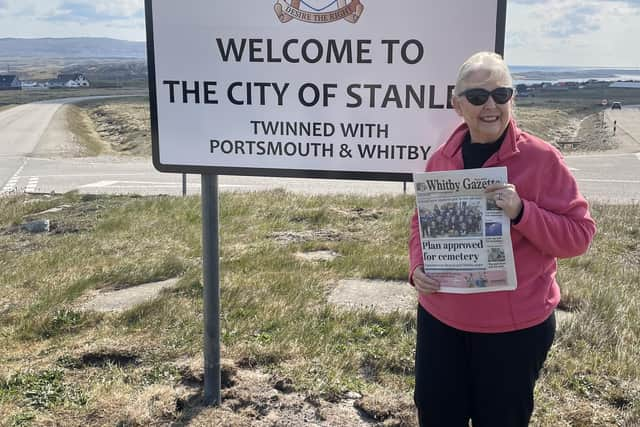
555	223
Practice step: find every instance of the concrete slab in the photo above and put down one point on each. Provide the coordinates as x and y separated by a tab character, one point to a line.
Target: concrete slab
380	295
388	296
124	299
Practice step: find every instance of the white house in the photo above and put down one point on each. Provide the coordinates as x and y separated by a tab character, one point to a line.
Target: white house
10	82
70	80
29	85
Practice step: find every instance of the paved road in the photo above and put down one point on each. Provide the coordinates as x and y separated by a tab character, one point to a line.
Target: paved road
29	130
21	130
115	176
24	167
613	178
628	122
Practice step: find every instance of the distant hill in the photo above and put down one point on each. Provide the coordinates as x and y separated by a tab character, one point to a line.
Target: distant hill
79	47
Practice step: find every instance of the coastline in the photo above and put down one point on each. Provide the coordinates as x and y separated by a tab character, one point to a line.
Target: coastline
531	75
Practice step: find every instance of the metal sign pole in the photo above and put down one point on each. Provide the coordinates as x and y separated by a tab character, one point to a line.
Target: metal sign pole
184	184
211	279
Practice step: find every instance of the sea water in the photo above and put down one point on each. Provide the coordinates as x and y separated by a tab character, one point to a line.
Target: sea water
529	75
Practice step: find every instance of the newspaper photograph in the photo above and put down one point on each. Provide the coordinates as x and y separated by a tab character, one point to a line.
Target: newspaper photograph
465	236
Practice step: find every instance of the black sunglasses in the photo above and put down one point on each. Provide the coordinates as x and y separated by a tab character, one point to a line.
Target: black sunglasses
479	96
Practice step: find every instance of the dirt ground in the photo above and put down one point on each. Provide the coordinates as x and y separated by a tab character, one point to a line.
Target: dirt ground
253	398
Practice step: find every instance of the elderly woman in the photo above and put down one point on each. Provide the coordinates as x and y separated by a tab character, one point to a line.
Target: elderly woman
479	355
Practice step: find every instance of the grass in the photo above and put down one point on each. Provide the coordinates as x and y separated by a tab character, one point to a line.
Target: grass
82	128
17	97
581	101
548	112
101	72
117	125
61	365
542	121
41	390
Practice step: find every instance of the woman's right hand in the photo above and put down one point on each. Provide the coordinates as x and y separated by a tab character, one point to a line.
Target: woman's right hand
423	282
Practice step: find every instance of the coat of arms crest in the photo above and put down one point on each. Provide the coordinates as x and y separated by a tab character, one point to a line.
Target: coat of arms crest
319	11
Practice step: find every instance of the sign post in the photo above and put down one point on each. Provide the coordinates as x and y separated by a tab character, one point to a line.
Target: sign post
211	295
341	89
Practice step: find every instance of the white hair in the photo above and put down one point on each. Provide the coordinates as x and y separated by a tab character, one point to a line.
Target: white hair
488	62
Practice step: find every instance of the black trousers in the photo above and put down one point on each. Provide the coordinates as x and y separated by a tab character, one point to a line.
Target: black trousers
486	378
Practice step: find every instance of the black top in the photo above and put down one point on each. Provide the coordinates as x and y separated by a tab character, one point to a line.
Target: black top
475	155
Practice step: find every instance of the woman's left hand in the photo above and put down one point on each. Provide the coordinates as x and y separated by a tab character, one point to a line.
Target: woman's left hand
506	197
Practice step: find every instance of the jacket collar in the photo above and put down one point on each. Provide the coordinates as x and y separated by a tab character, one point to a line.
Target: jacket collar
509	145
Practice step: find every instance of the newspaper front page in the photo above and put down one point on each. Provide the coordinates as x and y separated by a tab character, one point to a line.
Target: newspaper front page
466	238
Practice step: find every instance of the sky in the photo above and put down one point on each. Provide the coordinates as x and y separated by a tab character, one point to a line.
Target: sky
602	33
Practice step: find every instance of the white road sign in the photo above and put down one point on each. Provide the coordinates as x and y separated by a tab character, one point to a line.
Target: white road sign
324	88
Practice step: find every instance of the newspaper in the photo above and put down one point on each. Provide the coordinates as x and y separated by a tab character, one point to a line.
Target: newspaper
466	238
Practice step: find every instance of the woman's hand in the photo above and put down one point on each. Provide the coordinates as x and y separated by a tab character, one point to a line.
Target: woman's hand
423	283
506	198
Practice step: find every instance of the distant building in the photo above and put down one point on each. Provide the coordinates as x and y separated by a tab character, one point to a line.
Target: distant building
567	84
30	85
10	82
626	85
521	88
69	80
557	87
593	83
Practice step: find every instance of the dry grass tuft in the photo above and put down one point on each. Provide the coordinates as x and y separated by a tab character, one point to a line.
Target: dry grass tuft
121	125
391	408
84	134
156	404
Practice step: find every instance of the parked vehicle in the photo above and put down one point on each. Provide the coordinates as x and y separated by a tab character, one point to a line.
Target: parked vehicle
616	106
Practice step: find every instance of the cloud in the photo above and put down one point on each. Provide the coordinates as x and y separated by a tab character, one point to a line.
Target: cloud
573	32
97	11
577	21
122	8
572	18
78	11
123	19
516	39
